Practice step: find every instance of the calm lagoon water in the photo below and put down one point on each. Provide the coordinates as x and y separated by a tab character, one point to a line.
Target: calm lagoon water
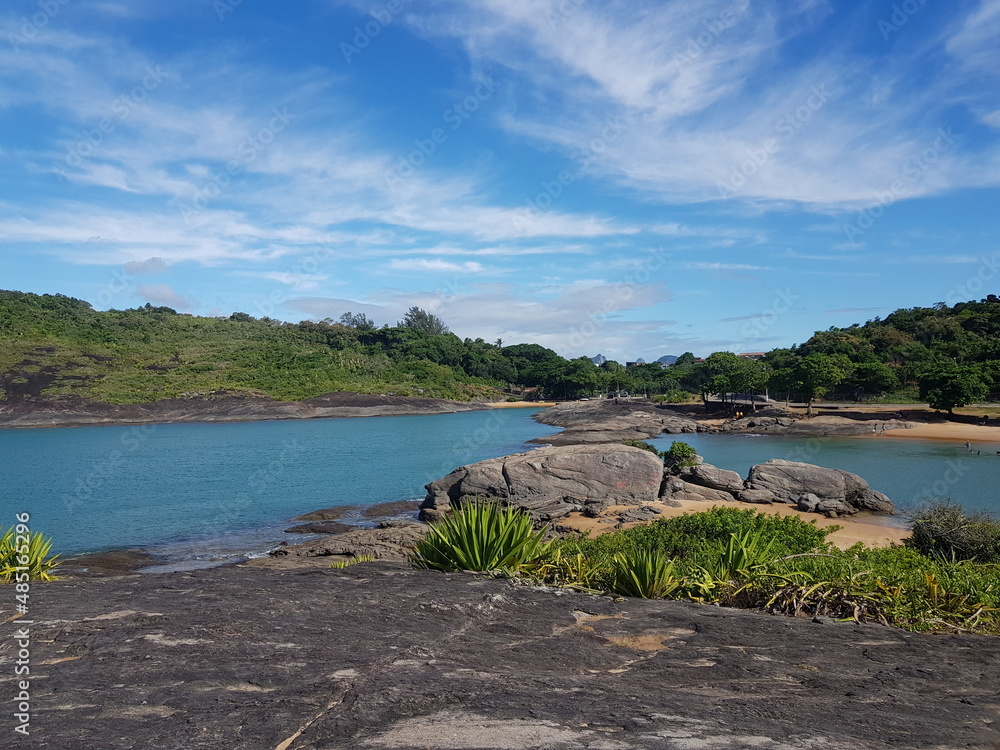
209	492
217	491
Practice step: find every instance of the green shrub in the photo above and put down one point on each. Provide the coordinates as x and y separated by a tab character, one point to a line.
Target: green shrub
680	455
944	528
643	445
481	536
40	560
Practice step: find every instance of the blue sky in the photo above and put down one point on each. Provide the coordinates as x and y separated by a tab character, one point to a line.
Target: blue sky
631	178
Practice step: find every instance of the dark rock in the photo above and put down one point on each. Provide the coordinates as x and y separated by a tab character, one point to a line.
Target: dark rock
641	513
380	656
679	490
392	509
874	501
808	502
326	514
100	564
391	542
713	477
759	497
551	482
320	527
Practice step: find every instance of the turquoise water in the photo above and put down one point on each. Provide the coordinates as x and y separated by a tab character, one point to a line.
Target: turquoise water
216	491
908	471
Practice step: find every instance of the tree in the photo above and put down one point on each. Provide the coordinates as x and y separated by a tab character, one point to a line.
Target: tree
815	374
421	320
357	320
687	358
730	373
949	385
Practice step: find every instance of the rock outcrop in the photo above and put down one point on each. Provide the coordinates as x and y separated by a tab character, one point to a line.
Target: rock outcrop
383	657
816	489
391	540
713	477
604	421
552	482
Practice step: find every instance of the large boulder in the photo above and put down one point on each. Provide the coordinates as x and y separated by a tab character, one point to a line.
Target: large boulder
678	490
790	480
552	482
713	477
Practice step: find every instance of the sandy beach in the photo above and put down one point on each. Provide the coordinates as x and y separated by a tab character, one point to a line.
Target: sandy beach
519	404
952	431
865	529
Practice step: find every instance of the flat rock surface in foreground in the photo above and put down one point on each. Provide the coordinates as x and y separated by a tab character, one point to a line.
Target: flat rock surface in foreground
380	656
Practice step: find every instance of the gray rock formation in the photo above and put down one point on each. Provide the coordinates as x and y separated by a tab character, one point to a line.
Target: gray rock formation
678	489
552	482
604	421
789	480
713	477
381	657
810	503
392	540
320	527
759	497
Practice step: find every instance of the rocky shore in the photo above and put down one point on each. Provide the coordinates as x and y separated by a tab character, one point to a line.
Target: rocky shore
220	408
611	420
382	656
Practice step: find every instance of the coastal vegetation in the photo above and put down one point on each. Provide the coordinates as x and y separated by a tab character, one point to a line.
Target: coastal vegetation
738	558
31	557
53	345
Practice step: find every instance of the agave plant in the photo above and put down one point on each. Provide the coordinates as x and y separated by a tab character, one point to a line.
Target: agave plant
481	536
643	573
39	563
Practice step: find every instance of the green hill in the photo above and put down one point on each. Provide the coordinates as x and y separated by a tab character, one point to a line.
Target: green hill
52	345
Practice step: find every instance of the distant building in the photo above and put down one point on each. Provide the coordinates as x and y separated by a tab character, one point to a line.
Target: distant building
752	355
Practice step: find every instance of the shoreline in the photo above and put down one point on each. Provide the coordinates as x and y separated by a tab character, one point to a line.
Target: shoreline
232	411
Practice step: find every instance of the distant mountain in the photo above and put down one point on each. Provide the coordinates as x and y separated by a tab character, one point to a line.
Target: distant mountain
599	360
667	359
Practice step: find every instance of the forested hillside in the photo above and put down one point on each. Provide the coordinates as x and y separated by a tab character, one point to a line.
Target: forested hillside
53	345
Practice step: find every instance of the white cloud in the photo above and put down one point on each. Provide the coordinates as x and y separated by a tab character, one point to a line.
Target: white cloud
163	294
423	264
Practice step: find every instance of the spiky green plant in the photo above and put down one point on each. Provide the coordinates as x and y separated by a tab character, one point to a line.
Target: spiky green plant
481	536
39	560
341	564
643	573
